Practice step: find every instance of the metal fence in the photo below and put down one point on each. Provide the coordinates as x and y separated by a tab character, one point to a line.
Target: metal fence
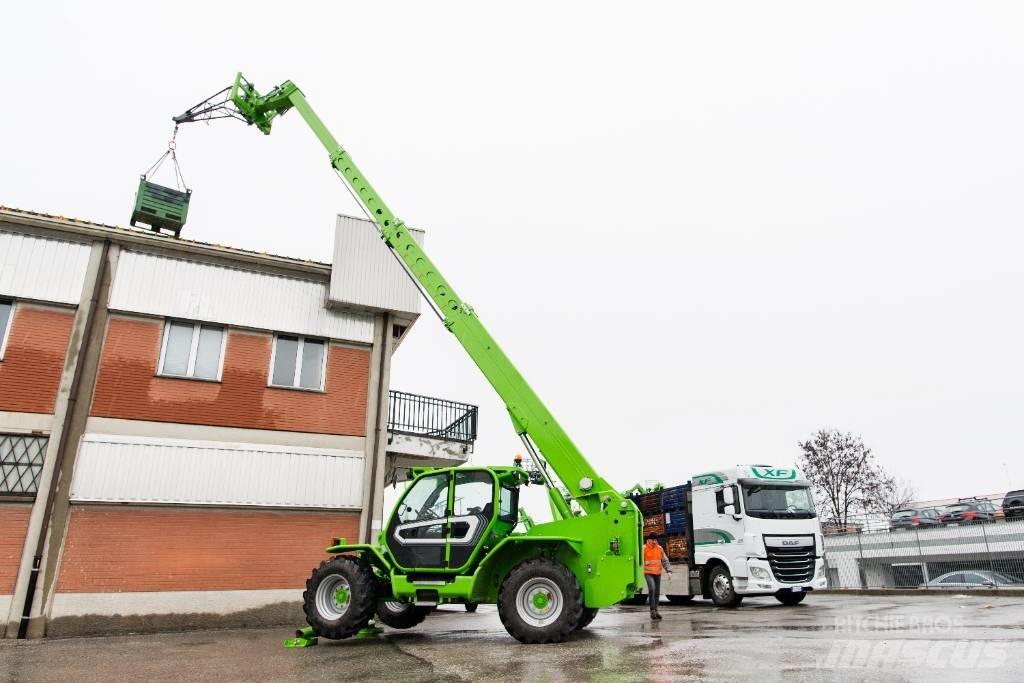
432	417
935	552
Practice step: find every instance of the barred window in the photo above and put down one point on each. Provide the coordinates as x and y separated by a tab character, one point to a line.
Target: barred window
21	461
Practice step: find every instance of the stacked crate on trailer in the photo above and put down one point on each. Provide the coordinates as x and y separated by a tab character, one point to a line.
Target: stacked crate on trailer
664	514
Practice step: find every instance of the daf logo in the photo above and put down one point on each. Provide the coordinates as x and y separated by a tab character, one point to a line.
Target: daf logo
791	541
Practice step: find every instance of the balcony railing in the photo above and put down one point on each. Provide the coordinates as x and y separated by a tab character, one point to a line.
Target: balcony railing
436	418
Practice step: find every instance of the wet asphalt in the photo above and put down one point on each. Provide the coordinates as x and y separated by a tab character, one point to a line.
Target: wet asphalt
828	637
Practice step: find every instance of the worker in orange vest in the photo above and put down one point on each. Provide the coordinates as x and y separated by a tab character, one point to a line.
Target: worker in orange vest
655	560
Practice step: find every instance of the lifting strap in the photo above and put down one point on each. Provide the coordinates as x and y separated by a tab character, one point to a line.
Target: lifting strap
179	179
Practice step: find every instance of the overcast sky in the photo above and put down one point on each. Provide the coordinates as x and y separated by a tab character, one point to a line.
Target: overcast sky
702	232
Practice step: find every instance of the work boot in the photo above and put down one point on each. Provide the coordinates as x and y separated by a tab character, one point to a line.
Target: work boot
657	614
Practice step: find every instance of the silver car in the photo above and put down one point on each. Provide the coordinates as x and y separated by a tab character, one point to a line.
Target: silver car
975	578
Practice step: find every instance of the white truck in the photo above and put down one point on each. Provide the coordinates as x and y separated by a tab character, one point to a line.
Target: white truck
750	530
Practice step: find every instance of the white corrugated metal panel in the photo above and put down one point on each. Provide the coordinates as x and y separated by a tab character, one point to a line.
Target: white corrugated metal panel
195	290
365	272
42	268
127	469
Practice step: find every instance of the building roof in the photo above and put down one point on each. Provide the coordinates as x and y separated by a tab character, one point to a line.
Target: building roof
143	236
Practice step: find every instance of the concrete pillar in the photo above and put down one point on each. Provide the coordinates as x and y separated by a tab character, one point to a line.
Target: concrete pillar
48	519
372	516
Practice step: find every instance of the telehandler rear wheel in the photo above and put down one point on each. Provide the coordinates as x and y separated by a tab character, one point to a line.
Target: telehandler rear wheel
401	614
540	601
340	597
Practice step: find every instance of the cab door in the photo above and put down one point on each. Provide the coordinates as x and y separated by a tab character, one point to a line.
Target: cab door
417	532
472	513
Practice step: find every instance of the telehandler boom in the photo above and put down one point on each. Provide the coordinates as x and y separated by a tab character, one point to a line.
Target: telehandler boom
452	537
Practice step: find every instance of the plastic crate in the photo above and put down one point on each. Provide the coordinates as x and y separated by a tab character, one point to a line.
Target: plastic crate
654	524
675	522
674	497
649	503
675	547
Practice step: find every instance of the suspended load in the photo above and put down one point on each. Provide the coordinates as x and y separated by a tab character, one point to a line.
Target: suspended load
159	207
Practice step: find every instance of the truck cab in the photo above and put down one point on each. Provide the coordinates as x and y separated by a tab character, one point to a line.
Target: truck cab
751	530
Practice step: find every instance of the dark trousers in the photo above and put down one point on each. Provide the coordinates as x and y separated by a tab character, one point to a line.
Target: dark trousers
653	588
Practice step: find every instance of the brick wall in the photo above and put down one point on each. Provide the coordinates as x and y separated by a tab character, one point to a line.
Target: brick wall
128	388
110	550
32	364
13	523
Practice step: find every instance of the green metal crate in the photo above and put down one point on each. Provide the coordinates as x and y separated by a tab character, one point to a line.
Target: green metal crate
159	207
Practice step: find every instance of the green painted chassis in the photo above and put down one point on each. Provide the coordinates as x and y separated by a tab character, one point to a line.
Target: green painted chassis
594	547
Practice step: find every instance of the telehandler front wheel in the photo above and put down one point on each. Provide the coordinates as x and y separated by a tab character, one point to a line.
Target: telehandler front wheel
540	601
340	597
401	614
587	616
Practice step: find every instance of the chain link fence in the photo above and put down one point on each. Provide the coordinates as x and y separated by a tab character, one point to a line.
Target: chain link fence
975	542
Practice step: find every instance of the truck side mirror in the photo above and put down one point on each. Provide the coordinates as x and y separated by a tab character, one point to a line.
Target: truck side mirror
729	509
730	500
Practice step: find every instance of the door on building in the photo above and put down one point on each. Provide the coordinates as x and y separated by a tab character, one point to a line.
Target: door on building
909	575
441	519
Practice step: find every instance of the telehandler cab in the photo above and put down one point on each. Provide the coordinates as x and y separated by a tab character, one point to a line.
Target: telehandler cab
452	536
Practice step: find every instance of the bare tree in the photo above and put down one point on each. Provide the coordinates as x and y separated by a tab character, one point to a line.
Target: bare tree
894	494
844	474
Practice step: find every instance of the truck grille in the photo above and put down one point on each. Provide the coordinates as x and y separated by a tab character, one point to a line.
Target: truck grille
792	565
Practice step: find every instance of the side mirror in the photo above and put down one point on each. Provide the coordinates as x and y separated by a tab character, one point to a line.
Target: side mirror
730	509
727	496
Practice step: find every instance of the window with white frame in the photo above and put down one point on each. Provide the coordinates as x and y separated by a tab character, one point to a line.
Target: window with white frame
298	362
192	350
6	313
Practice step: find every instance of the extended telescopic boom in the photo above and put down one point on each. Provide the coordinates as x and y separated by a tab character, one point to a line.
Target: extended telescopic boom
530	417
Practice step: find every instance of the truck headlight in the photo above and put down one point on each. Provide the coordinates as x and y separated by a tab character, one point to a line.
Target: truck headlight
760	574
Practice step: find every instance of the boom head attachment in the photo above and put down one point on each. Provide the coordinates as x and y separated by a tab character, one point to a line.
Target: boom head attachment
242	101
260	110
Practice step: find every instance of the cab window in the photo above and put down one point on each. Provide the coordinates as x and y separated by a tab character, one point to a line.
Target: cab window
427	499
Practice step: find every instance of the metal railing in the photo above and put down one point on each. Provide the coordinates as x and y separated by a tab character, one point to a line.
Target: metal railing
436	418
945	553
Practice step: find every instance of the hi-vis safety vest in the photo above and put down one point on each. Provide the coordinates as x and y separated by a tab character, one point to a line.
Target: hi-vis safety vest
652	558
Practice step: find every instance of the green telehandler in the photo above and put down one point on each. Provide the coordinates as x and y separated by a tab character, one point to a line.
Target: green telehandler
454	536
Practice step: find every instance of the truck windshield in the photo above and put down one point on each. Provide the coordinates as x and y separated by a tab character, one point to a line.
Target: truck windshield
776	501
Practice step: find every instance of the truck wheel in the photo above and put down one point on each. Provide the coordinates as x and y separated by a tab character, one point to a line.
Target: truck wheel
540	601
340	597
471	607
790	598
586	617
722	592
400	614
679	600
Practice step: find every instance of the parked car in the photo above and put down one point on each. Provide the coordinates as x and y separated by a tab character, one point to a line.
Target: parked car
975	578
1013	505
975	512
912	518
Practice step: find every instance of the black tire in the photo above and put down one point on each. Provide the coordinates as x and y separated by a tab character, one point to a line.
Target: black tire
586	617
720	585
400	614
790	598
526	586
326	615
471	607
679	600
